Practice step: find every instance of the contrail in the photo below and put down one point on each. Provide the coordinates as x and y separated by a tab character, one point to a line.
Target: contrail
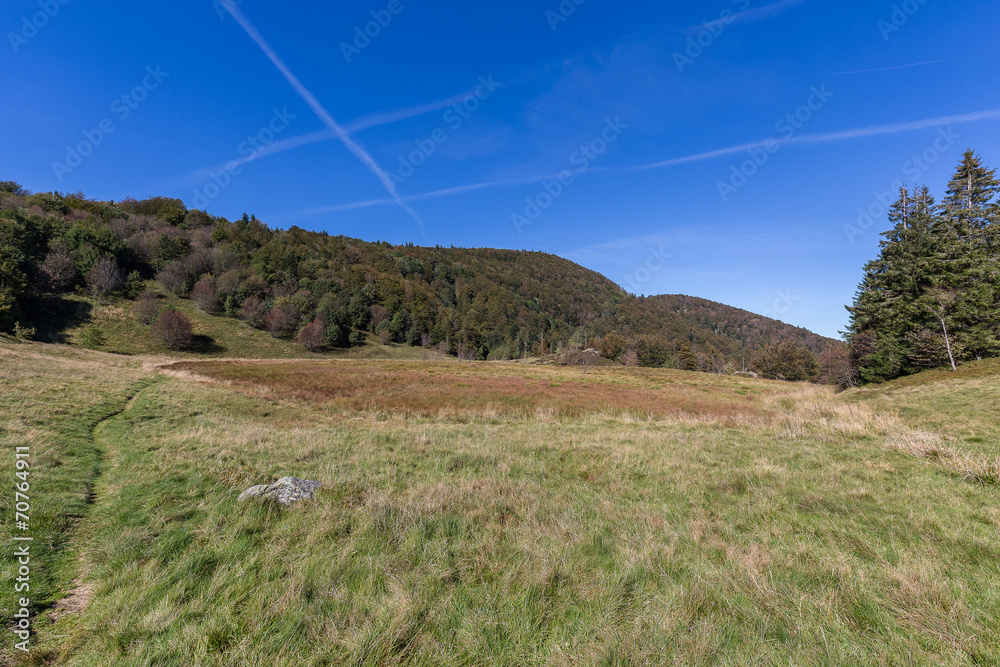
387	117
282	145
322	113
755	14
821	138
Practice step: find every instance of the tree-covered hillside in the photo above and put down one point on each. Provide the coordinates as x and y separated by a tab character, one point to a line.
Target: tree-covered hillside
932	298
330	291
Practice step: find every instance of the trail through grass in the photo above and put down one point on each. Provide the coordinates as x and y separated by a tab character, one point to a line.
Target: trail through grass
787	531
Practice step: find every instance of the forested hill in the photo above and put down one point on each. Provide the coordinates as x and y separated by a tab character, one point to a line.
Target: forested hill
749	329
477	303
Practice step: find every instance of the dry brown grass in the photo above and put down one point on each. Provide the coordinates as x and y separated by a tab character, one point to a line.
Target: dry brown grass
502	390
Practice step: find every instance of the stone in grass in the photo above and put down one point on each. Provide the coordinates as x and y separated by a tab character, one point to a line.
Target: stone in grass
286	491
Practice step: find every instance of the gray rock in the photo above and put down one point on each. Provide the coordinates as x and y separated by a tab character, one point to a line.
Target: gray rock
286	491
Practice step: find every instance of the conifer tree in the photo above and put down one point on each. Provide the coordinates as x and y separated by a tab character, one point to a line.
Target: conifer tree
970	194
932	297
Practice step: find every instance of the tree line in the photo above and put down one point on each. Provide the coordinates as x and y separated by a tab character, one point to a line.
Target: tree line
932	297
331	291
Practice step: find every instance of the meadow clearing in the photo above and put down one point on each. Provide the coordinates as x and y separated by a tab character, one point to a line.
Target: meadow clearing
500	513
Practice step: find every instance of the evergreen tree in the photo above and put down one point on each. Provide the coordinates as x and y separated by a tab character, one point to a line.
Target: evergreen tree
969	201
931	297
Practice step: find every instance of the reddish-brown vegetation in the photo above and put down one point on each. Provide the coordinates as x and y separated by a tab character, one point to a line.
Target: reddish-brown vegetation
429	389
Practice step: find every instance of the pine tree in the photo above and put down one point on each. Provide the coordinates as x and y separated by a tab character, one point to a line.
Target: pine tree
970	194
932	296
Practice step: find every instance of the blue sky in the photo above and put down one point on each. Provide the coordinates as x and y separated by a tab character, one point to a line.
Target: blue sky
718	149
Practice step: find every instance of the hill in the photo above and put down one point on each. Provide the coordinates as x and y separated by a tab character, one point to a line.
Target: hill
470	303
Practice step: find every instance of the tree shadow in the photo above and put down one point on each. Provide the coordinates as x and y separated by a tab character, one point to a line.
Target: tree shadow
205	345
52	315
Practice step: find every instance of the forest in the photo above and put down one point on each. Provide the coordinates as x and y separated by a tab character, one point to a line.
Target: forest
929	299
331	291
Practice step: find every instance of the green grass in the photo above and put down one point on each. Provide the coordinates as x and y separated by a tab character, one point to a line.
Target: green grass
964	406
790	535
54	401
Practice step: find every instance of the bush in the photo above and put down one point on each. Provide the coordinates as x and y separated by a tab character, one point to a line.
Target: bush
173	330
282	320
196	218
836	367
171	211
12	188
612	346
205	295
147	307
134	284
312	335
174	278
23	334
58	271
253	312
105	277
92	337
786	361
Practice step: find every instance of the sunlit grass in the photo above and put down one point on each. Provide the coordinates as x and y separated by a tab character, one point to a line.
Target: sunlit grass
619	517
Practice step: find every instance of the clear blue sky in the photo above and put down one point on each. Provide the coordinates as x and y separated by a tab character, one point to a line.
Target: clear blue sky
183	86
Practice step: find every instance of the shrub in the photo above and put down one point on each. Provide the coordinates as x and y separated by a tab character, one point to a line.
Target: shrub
312	335
134	284
147	307
786	361
196	218
612	346
205	296
105	277
282	320
12	188
58	271
174	278
836	367
167	248
23	334
253	312
173	330
92	337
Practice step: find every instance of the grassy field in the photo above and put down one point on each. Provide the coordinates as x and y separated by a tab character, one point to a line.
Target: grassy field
964	406
492	513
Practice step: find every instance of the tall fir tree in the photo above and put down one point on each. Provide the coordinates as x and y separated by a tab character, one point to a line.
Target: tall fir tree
933	295
969	201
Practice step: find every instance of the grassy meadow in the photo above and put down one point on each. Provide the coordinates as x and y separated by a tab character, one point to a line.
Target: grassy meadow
501	514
